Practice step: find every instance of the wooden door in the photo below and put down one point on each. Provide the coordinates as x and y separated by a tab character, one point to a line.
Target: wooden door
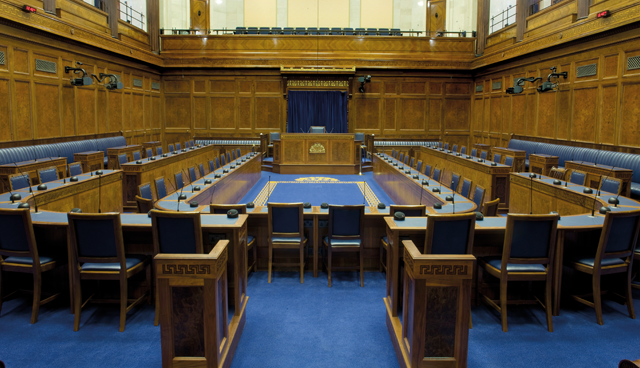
436	16
199	14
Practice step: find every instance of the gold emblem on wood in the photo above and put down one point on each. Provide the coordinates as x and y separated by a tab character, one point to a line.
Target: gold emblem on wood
317	148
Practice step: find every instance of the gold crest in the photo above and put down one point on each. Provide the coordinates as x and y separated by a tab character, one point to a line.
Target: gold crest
317	148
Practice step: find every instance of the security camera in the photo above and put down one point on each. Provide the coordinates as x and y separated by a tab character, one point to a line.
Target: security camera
114	81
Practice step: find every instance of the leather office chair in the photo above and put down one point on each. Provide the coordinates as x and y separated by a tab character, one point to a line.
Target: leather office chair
179	180
144	199
159	150
175	233
222	209
18	246
48	174
455	182
450	233
346	232
478	197
96	249
409	211
614	254
465	189
497	158
611	185
149	152
527	255
578	177
161	189
171	148
122	159
75	169
286	231
490	209
192	174
137	156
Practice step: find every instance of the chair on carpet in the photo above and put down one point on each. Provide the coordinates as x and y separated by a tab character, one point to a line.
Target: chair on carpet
577	177
557	173
122	159
137	155
161	189
20	251
238	153
222	160
393	153
286	231
346	233
211	166
228	157
75	169
406	159
614	254
427	170
159	150
178	180
411	162
175	233
96	249
48	174
144	199
527	255
465	189
636	258
233	154
490	209
217	163
149	152
409	211
478	197
455	182
446	146
611	185
222	209
272	137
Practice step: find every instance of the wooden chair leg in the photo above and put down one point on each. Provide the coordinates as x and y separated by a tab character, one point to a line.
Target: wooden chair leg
503	303
547	306
470	320
123	303
361	267
329	264
381	251
270	260
597	298
77	303
632	312
156	320
302	248
37	290
255	256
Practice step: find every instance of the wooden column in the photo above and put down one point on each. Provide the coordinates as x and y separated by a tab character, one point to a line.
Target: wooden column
153	24
522	12
49	6
112	8
483	22
583	8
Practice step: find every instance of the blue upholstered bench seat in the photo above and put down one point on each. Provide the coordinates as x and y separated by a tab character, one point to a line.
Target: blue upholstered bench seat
132	260
276	239
229	142
605	262
343	242
602	157
403	143
496	262
28	260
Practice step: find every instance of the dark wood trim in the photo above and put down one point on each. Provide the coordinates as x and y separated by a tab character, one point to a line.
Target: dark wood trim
35	142
522	11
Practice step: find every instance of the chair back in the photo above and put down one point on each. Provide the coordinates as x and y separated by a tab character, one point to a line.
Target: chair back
136	155
483	155
161	189
346	222
411	162
508	160
96	238
217	163
178	146
436	174
401	157
233	154
406	159
619	235
149	152
48	174
222	209
393	153
578	177
144	205
192	174
478	197
228	157
144	191
171	148
409	211
211	166
19	181
238	155
176	232
440	144
557	173
474	152
285	220
611	185
419	166
455	148
446	146
359	137
427	170
529	239
450	233
455	182
122	159
201	167
490	208
179	181
497	158
17	238
75	169
274	137
191	143
463	150
317	129
465	190
159	150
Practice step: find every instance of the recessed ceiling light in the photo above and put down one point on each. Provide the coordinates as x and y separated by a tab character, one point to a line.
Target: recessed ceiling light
420	3
218	1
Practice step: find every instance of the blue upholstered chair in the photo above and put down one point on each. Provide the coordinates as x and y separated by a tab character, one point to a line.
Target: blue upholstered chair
372	32
19	181
393	153
272	137
222	209
201	167
455	181
312	31
192	143
463	150
446	146
233	154
409	211
406	160
20	251
359	137
497	158
122	159
450	233
527	255
276	30
96	248
159	151
240	30
419	166
384	32
144	199
161	189
75	169
474	152
360	32
614	254
211	166
465	189
455	148
490	208
175	233
440	144
401	157
192	174
483	155
179	180
149	152
171	148
228	157
218	163
437	174
137	156
286	231
317	129
346	233
48	174
178	146
427	170
238	155
578	177
611	185
478	197
411	162
287	31
348	31
508	160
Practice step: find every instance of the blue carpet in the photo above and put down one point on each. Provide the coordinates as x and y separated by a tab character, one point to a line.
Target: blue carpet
310	325
333	189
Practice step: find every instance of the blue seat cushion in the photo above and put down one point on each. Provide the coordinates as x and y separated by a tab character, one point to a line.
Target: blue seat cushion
131	261
496	262
635	190
28	260
343	242
277	239
605	262
386	241
250	239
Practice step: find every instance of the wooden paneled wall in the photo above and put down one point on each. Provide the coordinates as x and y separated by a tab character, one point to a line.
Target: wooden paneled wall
602	109
37	105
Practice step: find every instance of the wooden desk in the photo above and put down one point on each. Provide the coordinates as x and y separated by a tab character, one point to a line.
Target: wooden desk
594	173
152	145
298	153
495	179
114	152
31	167
148	170
519	157
541	164
90	160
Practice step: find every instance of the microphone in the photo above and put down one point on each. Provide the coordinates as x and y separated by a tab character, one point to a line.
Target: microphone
302	131
331	131
99	191
421	192
190	181
614	200
64	178
601	180
173	189
593	208
435	190
531	196
269	190
214	192
596	160
580	164
180	197
28	186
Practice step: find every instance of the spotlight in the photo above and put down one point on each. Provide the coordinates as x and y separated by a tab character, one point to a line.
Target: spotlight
85	80
114	81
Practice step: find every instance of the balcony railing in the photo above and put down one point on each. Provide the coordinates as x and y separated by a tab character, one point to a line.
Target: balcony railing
537	5
249	31
132	16
503	19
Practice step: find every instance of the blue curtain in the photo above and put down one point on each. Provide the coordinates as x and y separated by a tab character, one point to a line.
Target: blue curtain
317	108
